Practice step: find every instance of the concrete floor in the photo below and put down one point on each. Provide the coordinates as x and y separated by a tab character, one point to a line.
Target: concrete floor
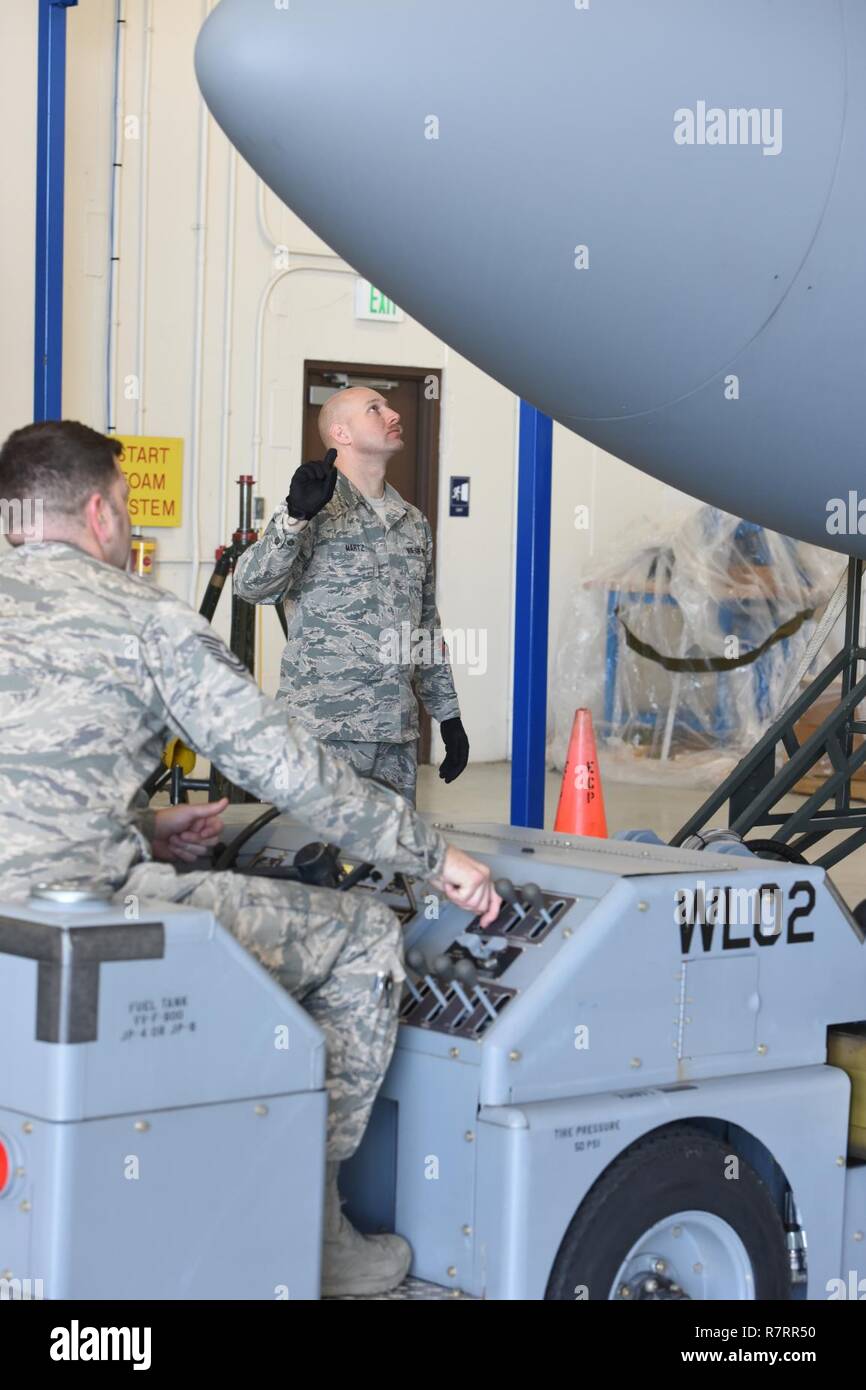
482	794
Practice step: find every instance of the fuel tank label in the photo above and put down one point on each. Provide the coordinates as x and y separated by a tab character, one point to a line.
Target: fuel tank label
164	1017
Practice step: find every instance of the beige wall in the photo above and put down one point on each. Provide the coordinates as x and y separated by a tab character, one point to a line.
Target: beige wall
18	51
198	274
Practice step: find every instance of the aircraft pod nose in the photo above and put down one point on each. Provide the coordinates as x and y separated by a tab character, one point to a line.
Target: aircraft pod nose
647	219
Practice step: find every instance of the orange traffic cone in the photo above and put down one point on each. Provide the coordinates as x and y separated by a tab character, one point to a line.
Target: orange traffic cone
581	803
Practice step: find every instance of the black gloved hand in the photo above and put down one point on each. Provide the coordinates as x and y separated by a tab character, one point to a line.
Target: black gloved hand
456	749
312	487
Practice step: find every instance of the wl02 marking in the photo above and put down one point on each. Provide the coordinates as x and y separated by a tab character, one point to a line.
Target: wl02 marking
724	908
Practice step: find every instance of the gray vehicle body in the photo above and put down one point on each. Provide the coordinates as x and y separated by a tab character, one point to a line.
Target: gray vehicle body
481	1150
487	1136
160	1126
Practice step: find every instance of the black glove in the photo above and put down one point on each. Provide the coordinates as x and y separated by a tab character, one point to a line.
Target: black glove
312	487
456	749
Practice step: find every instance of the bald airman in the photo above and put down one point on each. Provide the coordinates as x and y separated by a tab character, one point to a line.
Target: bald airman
353	565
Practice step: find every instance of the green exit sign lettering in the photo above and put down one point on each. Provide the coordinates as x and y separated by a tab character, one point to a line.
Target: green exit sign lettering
372	304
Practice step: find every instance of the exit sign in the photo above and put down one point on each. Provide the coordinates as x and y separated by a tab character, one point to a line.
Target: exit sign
371	303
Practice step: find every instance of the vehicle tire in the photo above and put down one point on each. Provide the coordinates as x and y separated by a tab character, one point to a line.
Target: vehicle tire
669	1194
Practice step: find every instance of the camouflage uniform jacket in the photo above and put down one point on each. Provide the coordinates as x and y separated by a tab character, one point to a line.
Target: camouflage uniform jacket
98	669
361	608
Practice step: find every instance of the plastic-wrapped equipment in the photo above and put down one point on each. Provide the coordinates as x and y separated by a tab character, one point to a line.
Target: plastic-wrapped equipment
683	649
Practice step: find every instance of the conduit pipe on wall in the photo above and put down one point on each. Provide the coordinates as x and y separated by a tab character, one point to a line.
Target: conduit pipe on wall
114	221
143	201
200	229
228	329
260	336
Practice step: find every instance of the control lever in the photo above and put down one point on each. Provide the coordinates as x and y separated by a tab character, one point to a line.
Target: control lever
446	970
318	864
416	959
416	993
468	975
481	948
533	896
508	893
466	972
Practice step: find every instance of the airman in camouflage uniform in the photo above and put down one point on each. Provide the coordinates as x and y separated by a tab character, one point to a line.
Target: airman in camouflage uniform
98	670
355	573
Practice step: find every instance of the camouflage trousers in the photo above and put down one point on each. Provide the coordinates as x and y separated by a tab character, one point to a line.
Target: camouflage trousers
334	952
395	764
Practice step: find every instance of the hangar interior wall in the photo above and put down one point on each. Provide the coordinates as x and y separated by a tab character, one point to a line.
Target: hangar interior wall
207	323
17	211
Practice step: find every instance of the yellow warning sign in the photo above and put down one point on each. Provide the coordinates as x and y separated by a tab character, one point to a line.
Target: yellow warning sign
154	471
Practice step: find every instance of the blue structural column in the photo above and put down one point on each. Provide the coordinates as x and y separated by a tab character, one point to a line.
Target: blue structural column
50	140
532	595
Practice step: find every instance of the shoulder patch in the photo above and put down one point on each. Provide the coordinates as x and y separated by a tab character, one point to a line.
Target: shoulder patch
221	652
